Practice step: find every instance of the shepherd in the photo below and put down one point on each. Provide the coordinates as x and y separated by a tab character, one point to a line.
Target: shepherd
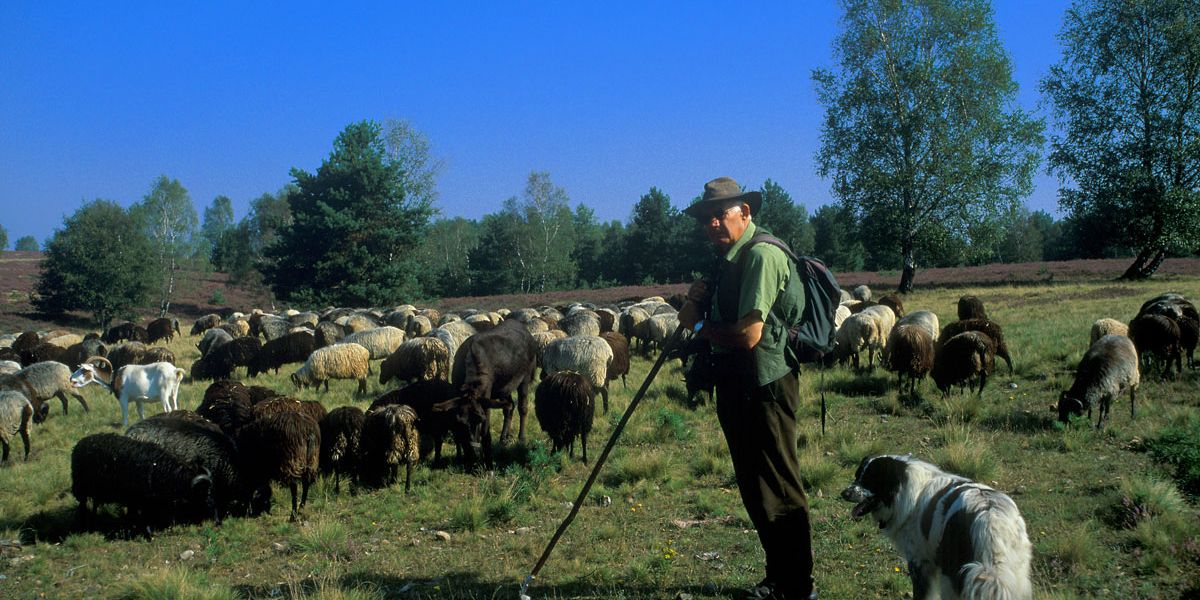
743	310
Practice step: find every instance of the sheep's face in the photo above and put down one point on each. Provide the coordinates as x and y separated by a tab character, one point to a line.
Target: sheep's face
1069	406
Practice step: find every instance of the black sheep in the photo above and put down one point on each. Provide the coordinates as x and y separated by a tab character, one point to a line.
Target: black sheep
963	359
340	434
224	359
194	439
151	482
389	439
438	414
970	307
1157	339
291	348
160	329
565	408
283	447
126	331
988	327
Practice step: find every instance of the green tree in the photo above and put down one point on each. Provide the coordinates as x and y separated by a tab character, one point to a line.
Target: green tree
836	239
652	240
409	149
920	119
3	238
589	246
445	257
1126	98
1023	239
499	263
551	231
95	263
169	221
27	244
354	233
787	220
218	220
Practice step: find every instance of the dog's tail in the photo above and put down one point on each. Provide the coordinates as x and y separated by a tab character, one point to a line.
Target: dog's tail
1003	574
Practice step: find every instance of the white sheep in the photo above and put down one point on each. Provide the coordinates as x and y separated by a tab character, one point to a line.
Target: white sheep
453	334
1106	326
659	328
339	361
588	355
859	332
380	341
417	359
8	367
862	293
1108	368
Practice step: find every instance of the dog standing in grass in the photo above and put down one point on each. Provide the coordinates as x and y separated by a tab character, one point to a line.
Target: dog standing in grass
962	540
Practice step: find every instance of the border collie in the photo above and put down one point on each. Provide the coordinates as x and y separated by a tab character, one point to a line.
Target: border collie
962	540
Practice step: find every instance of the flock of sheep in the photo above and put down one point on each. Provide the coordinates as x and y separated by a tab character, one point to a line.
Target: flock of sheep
452	369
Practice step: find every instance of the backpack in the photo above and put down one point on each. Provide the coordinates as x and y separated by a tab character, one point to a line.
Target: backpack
812	338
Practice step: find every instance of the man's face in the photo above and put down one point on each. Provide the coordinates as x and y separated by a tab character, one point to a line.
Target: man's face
725	225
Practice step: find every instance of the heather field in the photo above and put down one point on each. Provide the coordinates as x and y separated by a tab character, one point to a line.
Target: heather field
1107	511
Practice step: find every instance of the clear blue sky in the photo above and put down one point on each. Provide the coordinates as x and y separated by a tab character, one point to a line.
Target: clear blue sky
611	98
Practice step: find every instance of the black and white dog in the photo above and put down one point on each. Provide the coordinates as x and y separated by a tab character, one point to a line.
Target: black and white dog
962	539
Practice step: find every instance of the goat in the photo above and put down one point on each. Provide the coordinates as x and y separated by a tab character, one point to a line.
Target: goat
139	383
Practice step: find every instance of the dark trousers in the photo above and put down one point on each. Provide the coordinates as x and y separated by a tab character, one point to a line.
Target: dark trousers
760	428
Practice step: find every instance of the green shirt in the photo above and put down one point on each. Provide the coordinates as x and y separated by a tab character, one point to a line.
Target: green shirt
762	277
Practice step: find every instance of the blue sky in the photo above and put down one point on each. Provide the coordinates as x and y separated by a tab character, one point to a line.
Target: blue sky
610	98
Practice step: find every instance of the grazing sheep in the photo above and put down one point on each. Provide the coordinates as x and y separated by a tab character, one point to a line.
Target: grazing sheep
127	353
630	325
988	327
927	320
125	331
581	322
1185	315
418	326
437	414
1108	367
291	348
225	389
16	411
358	323
226	358
43	352
962	359
339	361
230	413
862	293
273	327
340	434
970	307
893	302
205	323
40	382
620	362
418	359
565	407
213	338
153	484
389	439
1106	326
590	356
909	354
196	440
328	333
157	354
313	409
77	354
659	328
453	335
1157	339
284	447
160	329
859	332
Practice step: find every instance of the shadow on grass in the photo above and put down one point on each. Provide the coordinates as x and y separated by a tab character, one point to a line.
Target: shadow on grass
471	586
54	526
862	385
1022	421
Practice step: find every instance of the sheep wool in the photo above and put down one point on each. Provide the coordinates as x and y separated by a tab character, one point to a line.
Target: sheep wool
389	439
590	356
419	359
963	359
1108	368
565	409
339	361
1107	326
909	354
15	414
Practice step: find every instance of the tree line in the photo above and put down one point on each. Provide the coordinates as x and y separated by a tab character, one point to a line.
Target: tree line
928	156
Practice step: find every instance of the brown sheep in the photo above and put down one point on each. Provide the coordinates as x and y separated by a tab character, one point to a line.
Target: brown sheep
389	439
283	447
990	328
962	359
970	307
909	354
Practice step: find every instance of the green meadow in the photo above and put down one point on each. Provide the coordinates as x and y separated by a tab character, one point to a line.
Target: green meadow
1109	513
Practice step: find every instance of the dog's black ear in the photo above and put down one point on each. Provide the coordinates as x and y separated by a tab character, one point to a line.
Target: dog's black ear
884	476
862	466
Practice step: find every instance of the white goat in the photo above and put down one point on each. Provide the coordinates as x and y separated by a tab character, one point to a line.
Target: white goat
141	384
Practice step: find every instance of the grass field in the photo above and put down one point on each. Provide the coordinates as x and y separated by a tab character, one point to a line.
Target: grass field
665	519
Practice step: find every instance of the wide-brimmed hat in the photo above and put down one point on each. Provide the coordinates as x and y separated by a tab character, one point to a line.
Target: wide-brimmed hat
722	190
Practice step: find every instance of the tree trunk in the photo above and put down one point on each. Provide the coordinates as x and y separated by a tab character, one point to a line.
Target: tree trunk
910	268
1146	265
